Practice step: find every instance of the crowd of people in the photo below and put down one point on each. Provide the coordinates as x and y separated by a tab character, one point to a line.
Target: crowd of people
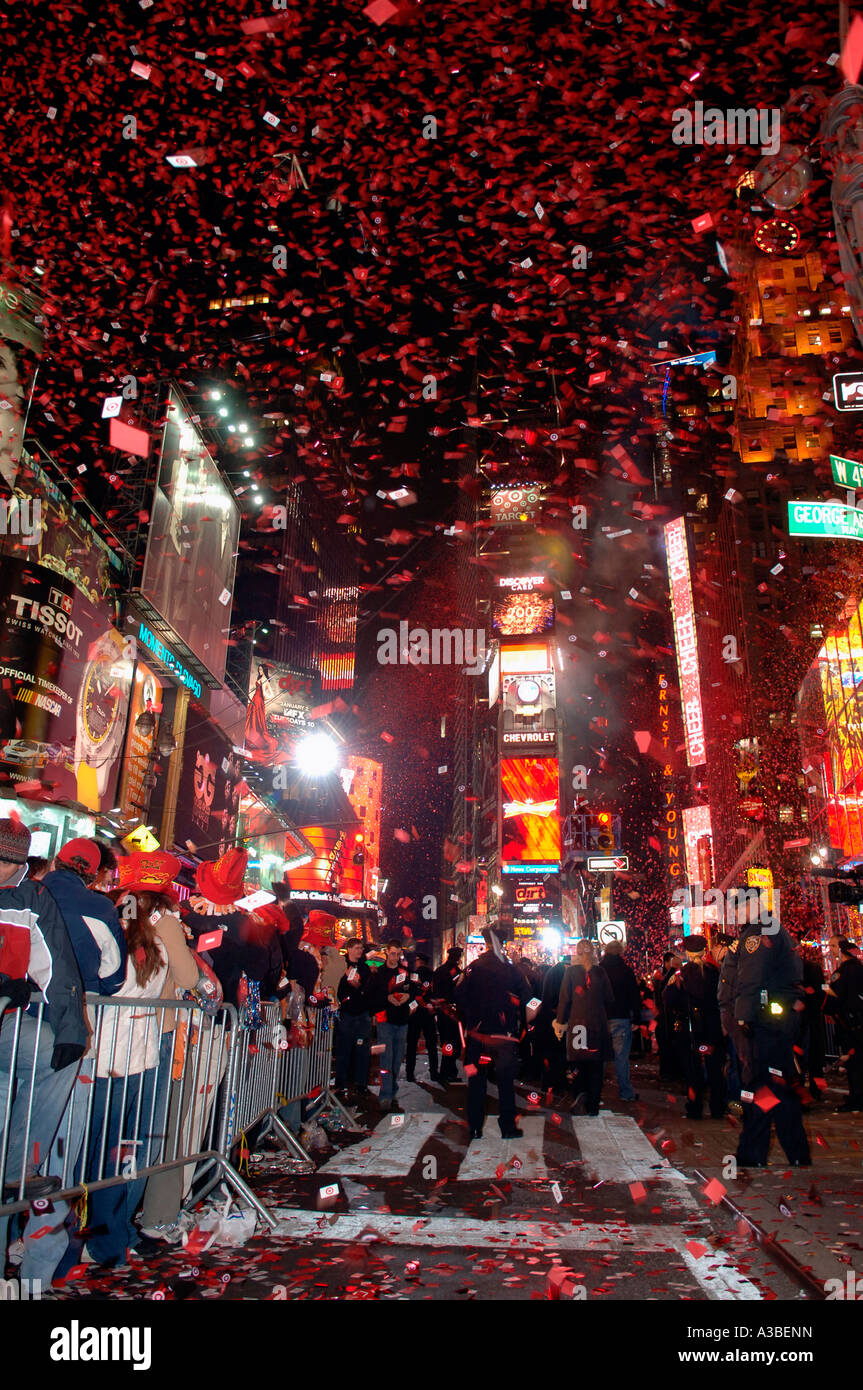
737	1022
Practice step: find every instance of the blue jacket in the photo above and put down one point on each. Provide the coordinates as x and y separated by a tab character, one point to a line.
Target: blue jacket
95	931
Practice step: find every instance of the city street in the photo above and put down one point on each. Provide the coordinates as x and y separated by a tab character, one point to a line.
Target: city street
607	1208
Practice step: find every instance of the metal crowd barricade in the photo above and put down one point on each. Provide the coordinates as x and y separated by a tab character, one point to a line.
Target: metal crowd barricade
140	1102
269	1075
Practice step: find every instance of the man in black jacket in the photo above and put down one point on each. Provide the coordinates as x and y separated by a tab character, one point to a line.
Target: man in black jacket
444	982
355	1021
768	1002
390	995
625	1011
422	1020
35	952
668	1063
846	1003
490	1000
690	997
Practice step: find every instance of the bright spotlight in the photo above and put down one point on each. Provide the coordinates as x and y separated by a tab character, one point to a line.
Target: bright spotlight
317	755
215	395
222	410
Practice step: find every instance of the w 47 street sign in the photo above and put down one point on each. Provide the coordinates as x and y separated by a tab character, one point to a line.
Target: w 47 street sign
607	863
846	472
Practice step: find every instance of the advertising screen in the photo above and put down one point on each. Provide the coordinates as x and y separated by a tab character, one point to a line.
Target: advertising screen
64	687
277	714
191	551
528	713
530	809
522	615
511	504
146	694
685	641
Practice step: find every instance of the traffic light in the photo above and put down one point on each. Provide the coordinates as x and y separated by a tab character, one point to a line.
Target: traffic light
850	894
359	852
605	837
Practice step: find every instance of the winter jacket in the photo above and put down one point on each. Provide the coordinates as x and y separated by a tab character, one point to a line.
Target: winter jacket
34	943
585	1000
551	990
235	955
353	995
767	963
385	983
690	998
725	988
847	985
491	998
129	1038
624	987
94	928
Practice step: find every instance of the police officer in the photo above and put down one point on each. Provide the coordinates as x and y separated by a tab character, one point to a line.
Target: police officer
690	997
845	998
767	1007
422	1019
491	1000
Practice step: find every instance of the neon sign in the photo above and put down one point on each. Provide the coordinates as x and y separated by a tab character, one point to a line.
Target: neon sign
685	641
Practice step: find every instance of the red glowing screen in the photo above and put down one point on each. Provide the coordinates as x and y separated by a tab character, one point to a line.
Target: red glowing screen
530	809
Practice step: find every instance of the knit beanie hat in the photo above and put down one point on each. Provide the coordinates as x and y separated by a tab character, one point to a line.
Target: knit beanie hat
14	841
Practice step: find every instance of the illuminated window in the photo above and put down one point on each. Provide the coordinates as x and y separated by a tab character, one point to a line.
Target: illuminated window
786	814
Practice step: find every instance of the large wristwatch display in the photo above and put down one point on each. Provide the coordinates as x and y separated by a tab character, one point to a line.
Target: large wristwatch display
100	717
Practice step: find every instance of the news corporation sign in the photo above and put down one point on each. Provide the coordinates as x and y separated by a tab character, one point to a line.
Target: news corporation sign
825	519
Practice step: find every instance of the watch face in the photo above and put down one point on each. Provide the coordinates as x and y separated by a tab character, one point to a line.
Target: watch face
101	701
528	692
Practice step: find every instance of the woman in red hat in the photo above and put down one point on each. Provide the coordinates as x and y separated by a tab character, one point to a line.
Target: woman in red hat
134	1047
212	914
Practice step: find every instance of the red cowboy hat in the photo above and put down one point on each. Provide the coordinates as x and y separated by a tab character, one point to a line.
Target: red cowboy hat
221	883
320	929
146	871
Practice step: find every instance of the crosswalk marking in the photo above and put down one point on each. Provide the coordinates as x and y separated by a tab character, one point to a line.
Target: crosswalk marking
390	1152
714	1272
489	1153
615	1149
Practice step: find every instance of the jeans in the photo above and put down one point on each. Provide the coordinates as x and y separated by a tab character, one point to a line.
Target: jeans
353	1037
422	1022
394	1036
621	1041
42	1254
505	1062
110	1228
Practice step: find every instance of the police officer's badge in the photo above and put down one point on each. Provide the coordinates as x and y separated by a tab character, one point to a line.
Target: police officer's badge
752	943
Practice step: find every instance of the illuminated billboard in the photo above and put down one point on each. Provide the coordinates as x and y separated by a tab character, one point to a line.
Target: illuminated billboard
530	809
525	660
697	836
277	714
685	641
512	504
528	711
192	547
522	614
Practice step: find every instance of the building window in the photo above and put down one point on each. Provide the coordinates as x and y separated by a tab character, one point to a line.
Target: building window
800	272
815	339
835	336
786	814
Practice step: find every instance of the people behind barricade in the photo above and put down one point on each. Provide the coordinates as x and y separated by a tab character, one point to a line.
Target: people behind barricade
134	1050
38	1056
353	1038
218	929
91	918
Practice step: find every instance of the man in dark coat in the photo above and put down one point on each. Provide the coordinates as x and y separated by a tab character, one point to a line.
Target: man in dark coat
422	1020
846	1003
668	1065
691	1000
553	1049
444	982
768	1002
625	1011
490	1000
582	1017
